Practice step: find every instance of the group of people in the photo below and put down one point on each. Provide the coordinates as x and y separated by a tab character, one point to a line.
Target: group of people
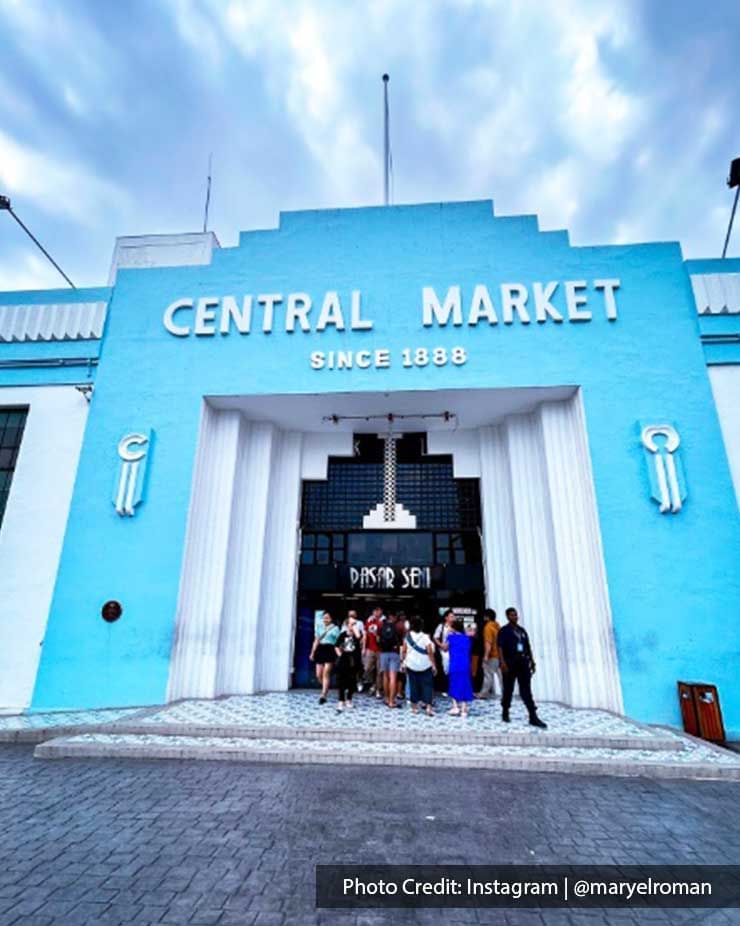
390	656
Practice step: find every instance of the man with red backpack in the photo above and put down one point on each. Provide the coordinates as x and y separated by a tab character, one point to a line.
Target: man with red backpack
389	641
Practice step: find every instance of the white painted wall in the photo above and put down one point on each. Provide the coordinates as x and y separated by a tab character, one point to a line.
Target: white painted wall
33	529
317	448
463	445
725	382
183	250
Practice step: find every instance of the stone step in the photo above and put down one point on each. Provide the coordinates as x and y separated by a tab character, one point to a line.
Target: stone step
693	760
426	732
35	727
298	715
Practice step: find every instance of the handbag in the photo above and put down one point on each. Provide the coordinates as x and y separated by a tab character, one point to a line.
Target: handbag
419	649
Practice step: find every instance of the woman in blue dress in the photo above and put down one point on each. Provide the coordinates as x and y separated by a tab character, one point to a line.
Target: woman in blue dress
460	645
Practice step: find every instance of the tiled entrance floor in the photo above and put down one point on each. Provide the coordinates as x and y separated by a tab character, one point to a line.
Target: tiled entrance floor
292	727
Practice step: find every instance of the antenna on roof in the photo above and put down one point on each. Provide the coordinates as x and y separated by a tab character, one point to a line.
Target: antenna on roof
208	193
387	157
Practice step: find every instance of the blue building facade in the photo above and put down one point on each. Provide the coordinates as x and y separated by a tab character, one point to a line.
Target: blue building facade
588	390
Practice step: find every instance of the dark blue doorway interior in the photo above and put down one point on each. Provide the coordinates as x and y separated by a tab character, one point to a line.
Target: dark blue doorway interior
344	567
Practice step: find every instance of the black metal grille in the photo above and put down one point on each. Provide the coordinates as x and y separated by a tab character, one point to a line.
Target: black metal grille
12	423
427	489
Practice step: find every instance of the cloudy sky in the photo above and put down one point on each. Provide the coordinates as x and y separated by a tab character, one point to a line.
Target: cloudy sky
615	119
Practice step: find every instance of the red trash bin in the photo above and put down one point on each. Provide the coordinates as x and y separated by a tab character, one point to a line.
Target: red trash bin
700	711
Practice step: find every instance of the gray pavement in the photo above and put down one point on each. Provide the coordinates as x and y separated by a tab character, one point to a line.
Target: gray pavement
193	842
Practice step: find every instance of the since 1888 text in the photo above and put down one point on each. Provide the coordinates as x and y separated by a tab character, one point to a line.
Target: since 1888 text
382	357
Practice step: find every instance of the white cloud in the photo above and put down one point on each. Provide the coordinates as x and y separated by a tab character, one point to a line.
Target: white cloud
28	271
56	186
546	106
533	89
307	56
70	55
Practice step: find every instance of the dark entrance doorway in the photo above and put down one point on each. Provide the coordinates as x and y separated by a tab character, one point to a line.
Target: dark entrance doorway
421	571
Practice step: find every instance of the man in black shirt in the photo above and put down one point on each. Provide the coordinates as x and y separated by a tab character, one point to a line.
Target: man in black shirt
517	665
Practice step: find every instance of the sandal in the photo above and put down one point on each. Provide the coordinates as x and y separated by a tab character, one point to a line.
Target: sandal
454	711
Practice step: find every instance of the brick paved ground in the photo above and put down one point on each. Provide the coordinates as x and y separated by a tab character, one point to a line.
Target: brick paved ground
84	841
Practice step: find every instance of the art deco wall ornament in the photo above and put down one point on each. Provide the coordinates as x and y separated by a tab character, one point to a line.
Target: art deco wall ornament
133	450
390	513
667	482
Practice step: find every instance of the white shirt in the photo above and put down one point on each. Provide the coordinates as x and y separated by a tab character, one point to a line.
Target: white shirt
416	661
441	634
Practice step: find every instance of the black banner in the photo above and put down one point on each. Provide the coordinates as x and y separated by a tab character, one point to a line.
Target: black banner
390	578
527	886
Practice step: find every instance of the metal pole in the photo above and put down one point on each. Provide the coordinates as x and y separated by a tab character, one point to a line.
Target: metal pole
386	140
208	194
41	247
732	219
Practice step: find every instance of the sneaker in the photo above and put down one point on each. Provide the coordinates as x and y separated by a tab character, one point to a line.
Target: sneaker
536	722
505	718
322	700
340	707
360	687
379	695
349	705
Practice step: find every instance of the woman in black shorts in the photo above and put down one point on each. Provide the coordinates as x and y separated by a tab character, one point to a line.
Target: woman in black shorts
324	655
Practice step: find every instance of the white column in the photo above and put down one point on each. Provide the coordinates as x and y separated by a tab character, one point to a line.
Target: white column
276	629
539	607
195	647
499	534
237	651
587	633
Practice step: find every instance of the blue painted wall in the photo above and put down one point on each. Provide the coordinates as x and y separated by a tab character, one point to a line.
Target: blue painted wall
674	580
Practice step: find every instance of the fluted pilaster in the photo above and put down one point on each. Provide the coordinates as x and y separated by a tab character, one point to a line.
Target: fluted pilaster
540	607
197	625
587	622
280	569
238	652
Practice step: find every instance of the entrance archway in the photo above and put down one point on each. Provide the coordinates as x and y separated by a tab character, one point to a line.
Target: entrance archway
527	449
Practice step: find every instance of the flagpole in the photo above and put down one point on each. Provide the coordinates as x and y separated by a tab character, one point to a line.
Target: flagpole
386	142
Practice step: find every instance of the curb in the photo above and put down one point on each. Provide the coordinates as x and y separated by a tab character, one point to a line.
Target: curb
63	748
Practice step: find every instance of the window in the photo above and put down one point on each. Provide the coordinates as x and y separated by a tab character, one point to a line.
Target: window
322	549
390	548
12	423
461	549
